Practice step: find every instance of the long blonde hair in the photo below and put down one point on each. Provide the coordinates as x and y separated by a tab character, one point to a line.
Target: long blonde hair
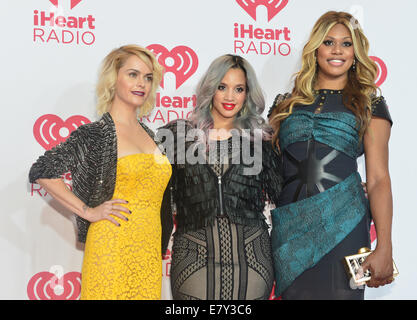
106	86
360	87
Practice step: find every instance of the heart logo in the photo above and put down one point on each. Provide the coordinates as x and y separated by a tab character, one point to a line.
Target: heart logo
273	6
182	61
73	3
47	286
50	130
382	71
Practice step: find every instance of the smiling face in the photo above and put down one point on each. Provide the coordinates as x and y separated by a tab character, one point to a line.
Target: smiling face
230	96
134	82
335	55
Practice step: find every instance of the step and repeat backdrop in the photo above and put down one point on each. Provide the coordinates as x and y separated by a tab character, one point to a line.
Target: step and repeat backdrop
50	54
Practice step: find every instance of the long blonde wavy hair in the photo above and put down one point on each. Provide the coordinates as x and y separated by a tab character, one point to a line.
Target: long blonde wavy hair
360	87
106	86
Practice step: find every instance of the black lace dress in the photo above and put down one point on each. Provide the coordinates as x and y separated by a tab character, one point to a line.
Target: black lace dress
223	261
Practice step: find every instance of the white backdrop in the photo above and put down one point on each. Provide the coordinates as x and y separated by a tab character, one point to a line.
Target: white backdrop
48	75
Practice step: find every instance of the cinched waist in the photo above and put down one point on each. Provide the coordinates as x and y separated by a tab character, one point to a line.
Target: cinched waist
311	167
304	231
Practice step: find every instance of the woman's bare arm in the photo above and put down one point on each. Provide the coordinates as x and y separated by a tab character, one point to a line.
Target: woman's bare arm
58	189
380	197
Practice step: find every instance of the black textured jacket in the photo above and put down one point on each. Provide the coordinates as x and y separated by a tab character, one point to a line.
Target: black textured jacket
200	195
90	154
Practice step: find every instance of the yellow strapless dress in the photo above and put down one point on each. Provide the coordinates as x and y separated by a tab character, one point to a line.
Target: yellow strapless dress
125	262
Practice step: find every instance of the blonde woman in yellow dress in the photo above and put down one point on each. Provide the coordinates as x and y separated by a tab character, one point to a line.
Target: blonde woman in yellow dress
119	177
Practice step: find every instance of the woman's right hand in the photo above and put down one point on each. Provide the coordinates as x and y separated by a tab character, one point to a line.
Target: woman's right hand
106	211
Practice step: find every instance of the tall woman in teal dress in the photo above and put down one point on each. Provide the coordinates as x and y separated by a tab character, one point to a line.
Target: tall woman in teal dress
331	117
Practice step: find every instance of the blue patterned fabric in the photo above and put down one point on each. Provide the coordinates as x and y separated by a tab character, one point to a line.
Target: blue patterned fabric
304	231
335	129
322	201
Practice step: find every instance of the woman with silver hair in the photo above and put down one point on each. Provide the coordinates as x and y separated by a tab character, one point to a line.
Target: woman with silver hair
220	182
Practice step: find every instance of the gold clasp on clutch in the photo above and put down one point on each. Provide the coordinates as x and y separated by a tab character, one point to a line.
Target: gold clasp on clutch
354	266
364	250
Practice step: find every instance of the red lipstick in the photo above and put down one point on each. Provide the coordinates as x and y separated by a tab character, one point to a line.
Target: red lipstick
229	106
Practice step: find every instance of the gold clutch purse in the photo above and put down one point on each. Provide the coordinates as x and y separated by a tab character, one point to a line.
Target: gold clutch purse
354	264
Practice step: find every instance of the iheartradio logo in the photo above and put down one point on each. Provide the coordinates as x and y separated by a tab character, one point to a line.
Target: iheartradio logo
382	71
182	61
252	39
54	285
57	27
50	130
273	6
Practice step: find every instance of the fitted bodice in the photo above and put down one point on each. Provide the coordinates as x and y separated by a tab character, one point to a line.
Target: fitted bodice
320	145
142	178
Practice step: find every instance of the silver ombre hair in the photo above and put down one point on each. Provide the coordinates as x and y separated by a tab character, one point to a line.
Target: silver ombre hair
250	116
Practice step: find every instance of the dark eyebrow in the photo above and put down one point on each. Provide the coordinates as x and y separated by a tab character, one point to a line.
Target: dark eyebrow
151	73
335	38
238	85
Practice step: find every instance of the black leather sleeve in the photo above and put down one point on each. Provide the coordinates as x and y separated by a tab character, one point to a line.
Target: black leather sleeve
380	109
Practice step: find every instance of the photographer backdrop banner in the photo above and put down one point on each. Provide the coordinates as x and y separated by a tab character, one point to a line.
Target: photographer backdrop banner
51	52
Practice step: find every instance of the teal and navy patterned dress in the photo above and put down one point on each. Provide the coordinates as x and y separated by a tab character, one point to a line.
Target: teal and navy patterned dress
322	214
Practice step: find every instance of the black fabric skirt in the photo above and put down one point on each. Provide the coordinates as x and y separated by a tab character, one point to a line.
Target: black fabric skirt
328	279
